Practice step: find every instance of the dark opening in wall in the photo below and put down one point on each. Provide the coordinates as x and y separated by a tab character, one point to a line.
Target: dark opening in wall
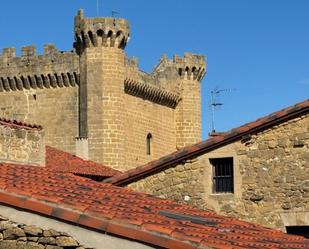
34	96
222	175
148	144
298	230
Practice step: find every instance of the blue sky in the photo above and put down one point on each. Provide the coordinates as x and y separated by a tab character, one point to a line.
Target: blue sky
259	48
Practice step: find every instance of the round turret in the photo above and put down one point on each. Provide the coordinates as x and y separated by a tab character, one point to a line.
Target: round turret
98	32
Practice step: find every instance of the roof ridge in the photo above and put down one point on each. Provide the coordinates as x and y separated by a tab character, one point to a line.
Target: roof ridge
211	143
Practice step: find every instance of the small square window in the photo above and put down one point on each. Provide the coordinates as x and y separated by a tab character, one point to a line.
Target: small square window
222	175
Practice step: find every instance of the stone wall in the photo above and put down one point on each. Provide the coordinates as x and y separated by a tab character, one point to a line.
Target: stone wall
96	93
271	178
142	117
55	109
42	89
188	112
16	236
22	145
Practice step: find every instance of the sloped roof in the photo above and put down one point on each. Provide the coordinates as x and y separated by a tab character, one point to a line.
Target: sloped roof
61	161
18	124
210	144
129	214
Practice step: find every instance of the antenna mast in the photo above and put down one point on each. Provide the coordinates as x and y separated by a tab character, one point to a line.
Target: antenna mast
215	93
98	7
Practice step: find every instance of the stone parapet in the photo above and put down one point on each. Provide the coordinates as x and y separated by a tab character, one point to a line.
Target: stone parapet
98	32
50	70
21	144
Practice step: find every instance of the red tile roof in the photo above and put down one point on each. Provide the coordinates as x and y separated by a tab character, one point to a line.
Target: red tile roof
126	213
61	161
210	144
17	124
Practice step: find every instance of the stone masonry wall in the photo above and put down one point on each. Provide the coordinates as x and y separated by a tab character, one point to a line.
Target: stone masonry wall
271	178
17	236
188	114
141	118
22	145
104	76
181	183
55	109
96	93
42	89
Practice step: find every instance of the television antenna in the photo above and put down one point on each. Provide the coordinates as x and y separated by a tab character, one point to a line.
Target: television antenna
98	7
214	103
114	13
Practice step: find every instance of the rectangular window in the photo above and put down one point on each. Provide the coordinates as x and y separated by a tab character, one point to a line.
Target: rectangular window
222	175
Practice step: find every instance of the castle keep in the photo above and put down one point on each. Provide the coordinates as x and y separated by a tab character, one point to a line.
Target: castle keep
94	100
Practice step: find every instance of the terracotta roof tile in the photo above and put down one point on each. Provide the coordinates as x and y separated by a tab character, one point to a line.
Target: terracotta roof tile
210	144
17	124
133	215
65	162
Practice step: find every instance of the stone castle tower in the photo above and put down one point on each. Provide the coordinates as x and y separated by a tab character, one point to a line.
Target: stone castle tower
95	102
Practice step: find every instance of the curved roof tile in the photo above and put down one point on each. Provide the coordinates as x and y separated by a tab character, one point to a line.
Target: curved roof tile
124	212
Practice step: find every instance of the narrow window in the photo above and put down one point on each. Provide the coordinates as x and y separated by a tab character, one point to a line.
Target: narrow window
222	175
148	143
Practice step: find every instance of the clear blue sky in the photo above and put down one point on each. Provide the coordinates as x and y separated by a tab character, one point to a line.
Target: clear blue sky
259	48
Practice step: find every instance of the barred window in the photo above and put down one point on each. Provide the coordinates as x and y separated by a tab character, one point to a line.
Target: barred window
222	175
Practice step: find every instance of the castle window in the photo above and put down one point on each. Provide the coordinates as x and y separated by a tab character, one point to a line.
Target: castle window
222	175
148	143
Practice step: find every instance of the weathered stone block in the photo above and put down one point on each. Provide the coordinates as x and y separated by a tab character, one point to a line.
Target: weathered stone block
13	233
66	241
8	244
32	230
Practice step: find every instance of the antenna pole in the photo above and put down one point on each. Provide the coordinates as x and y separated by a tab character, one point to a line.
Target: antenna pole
213	112
214	104
97	7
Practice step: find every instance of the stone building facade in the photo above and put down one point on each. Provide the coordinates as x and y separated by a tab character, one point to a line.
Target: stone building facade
270	171
96	101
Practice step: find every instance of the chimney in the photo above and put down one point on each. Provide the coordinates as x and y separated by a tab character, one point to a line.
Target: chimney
82	147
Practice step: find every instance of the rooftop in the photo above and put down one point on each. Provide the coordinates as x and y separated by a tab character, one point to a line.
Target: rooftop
61	161
129	214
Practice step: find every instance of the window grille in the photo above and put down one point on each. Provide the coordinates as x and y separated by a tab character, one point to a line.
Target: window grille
222	175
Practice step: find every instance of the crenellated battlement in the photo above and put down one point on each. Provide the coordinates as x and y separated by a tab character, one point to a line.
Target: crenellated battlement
52	69
29	59
98	32
97	92
191	66
164	79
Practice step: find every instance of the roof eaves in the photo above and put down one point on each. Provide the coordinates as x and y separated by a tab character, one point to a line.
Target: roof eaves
96	221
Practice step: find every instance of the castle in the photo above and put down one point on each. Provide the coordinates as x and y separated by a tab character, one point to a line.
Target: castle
96	103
